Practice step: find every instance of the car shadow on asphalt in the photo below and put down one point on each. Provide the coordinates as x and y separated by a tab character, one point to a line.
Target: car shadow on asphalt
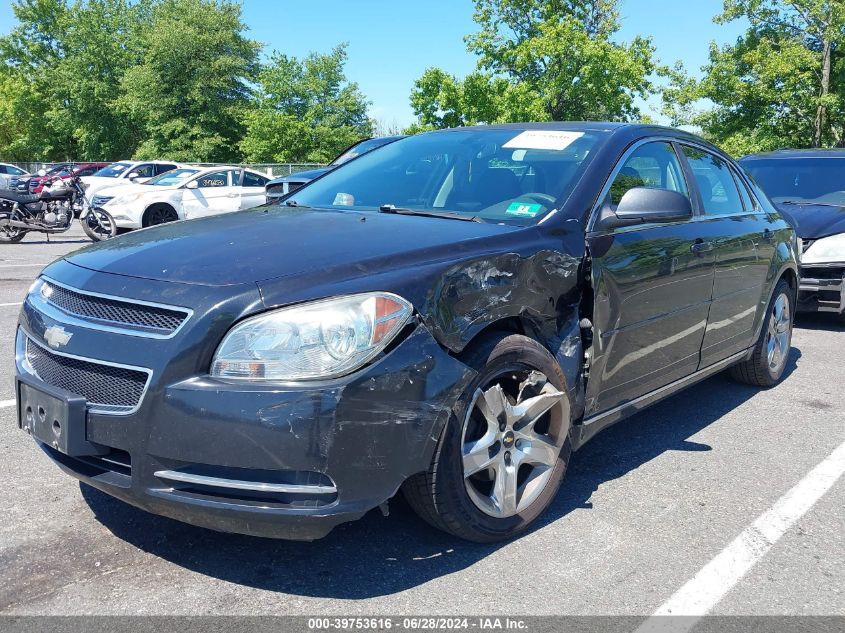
820	321
379	556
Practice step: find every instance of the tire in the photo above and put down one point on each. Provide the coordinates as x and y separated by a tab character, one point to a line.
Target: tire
768	361
523	461
99	225
12	236
159	214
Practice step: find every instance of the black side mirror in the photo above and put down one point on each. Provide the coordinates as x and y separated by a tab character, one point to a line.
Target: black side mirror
645	205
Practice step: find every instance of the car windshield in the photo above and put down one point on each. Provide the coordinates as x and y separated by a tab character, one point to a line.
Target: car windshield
496	175
58	170
114	170
361	148
808	180
172	177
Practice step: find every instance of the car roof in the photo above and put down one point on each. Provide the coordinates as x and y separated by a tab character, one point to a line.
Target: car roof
632	130
786	153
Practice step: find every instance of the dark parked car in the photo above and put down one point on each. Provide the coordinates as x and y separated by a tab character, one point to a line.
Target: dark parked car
283	185
808	187
451	315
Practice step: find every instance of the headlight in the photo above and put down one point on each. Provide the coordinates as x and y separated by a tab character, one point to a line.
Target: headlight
323	339
827	250
127	199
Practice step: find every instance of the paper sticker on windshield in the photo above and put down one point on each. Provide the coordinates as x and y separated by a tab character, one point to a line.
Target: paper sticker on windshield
524	209
543	139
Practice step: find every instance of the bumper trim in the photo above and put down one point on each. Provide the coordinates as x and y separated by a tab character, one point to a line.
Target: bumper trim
236	484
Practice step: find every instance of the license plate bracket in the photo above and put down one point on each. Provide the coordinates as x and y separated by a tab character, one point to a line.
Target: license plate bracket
54	416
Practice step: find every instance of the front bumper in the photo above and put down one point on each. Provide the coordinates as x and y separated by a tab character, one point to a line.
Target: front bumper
822	289
280	460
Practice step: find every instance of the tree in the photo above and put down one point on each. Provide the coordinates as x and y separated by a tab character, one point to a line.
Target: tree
68	61
307	111
781	84
541	60
191	88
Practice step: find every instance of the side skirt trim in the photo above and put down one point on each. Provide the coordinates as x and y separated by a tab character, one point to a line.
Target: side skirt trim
592	425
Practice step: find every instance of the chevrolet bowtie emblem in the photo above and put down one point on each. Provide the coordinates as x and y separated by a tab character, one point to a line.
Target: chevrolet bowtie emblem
56	336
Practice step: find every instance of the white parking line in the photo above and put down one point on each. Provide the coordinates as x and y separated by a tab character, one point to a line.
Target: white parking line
717	578
7	403
16	303
23	265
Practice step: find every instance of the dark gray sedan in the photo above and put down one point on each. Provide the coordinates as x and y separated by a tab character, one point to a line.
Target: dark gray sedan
450	316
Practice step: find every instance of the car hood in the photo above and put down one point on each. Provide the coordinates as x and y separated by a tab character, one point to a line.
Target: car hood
269	242
301	176
128	189
814	221
97	183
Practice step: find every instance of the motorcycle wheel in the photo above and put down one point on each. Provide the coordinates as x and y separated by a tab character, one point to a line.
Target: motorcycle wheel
11	235
99	225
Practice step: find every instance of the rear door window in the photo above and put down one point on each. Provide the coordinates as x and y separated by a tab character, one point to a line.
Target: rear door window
254	180
163	168
716	184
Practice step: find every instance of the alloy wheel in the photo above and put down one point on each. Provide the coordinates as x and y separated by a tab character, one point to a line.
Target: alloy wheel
512	437
778	335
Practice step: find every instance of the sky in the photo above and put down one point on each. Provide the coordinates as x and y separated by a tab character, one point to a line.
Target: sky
391	42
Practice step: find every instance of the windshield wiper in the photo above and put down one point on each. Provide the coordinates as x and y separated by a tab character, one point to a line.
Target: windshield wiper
805	203
447	215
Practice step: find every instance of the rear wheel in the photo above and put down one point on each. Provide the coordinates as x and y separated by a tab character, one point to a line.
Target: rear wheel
502	457
11	234
771	353
159	214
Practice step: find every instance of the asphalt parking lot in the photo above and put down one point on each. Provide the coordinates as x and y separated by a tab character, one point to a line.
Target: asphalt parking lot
645	506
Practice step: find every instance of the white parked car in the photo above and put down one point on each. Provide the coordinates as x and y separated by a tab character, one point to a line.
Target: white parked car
181	194
124	172
8	173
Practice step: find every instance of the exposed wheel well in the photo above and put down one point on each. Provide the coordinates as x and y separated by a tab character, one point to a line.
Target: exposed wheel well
791	278
145	220
509	325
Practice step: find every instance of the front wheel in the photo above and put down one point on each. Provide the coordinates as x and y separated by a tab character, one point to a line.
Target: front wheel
771	352
502	456
98	225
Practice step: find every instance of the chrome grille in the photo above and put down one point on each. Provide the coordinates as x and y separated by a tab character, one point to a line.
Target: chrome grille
107	388
99	201
159	320
276	190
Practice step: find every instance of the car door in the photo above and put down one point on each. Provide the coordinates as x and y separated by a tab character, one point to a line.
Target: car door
741	236
252	190
213	194
652	286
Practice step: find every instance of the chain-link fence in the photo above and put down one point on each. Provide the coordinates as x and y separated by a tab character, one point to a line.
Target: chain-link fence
270	169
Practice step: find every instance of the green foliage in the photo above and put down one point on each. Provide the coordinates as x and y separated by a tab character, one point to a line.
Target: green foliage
190	91
307	111
177	79
768	90
541	60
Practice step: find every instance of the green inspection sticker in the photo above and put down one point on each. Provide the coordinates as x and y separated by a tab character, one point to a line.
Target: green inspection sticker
524	209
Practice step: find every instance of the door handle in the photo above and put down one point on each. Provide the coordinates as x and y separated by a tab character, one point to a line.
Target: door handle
700	246
232	195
